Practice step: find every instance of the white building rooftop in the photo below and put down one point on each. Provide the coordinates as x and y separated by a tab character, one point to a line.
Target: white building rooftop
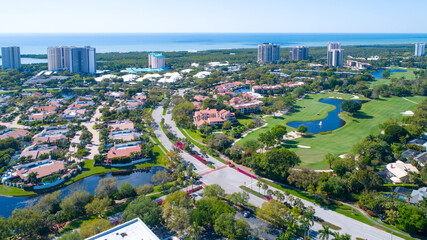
132	230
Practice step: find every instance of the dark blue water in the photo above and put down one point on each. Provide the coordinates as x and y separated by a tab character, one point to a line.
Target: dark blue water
330	123
38	43
8	204
377	74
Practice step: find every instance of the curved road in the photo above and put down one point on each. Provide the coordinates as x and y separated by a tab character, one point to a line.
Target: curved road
230	180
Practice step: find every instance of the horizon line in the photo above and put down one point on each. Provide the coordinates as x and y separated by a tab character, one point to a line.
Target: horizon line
211	33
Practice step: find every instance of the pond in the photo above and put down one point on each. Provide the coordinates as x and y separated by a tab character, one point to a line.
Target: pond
377	74
89	184
330	123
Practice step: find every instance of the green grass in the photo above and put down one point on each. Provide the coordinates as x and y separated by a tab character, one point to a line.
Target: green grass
341	140
417	99
253	192
408	75
14	191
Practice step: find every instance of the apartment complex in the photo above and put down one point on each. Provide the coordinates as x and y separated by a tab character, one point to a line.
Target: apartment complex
298	53
213	117
11	58
74	59
268	53
156	60
420	49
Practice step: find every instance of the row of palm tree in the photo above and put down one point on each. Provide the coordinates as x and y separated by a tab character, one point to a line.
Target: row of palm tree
325	233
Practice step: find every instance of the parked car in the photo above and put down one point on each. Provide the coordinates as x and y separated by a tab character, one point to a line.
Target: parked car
246	214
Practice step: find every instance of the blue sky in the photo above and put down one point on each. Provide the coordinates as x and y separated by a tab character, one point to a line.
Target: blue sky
281	16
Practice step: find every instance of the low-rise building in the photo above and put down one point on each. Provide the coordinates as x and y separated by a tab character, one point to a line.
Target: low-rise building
213	117
140	96
124	135
121	125
421	159
39	116
133	104
418	195
200	98
397	172
229	87
13	133
51	134
123	150
134	229
114	94
246	106
36	150
409	154
42	168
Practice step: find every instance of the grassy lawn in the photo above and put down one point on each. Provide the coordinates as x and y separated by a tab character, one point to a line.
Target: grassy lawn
195	134
14	191
408	75
341	140
417	99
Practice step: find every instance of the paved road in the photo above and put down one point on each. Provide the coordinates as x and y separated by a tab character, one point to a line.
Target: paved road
230	180
94	146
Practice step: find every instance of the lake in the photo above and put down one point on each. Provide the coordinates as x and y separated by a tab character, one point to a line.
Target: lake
377	74
330	123
89	184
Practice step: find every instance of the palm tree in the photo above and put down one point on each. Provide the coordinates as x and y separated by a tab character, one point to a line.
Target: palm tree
264	187
291	199
192	182
280	197
195	231
325	232
269	192
276	193
259	185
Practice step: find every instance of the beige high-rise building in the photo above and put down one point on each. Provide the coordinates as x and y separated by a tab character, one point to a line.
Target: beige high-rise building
58	58
268	53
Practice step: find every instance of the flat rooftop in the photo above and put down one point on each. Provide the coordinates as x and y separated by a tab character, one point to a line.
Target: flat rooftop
132	230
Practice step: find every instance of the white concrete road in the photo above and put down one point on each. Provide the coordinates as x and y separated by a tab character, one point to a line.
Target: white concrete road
230	179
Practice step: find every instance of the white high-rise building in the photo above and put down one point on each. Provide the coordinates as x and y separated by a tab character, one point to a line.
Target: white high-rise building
336	58
156	60
334	45
58	58
74	59
11	58
420	49
268	53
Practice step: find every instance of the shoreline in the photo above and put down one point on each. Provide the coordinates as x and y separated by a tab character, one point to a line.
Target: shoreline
68	183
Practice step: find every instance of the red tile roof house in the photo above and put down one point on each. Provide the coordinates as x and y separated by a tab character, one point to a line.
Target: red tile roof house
121	125
213	117
133	104
124	135
229	87
197	105
13	133
115	94
246	106
37	150
39	116
51	134
41	168
123	151
140	96
50	108
200	98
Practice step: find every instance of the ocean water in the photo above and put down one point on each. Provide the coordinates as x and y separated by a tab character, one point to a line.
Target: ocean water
38	43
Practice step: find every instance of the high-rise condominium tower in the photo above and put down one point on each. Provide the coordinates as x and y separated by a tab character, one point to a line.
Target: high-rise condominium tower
298	53
156	60
420	49
74	59
268	53
336	58
11	58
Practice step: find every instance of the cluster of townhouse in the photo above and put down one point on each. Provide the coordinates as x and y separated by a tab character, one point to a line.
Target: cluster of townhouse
198	100
213	117
78	109
229	88
13	133
356	65
125	140
51	108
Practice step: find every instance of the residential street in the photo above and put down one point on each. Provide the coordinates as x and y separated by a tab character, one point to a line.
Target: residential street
230	179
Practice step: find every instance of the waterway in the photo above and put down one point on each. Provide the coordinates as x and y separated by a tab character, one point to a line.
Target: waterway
31	60
330	123
8	204
377	74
